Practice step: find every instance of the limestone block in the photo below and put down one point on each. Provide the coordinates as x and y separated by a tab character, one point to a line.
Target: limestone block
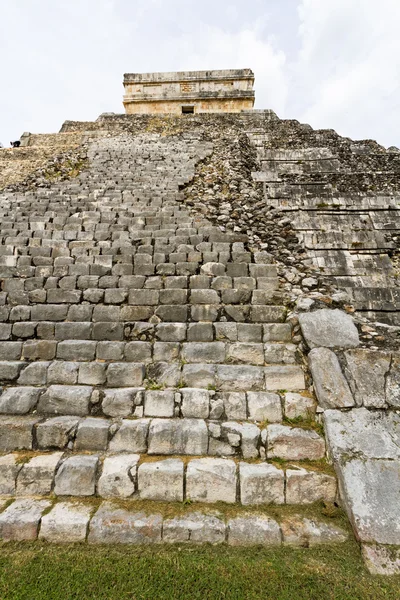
331	387
261	484
161	480
65	400
16	433
125	374
56	432
371	489
171	332
299	531
203	352
286	377
297	406
249	437
393	382
234	405
280	353
118	477
67	522
277	332
294	443
240	377
113	525
329	329
37	475
9	469
211	480
363	433
241	352
381	560
220	448
19	400
76	476
366	371
131	436
34	374
199	375
165	374
263	406
92	373
306	487
194	528
120	402
253	530
20	521
62	372
195	403
178	436
92	434
159	403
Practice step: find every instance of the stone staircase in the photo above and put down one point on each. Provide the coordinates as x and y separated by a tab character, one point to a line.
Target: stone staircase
146	358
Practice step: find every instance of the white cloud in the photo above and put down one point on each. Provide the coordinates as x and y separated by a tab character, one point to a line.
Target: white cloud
349	66
333	63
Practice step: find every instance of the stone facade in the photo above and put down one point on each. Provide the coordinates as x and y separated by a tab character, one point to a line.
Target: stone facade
189	92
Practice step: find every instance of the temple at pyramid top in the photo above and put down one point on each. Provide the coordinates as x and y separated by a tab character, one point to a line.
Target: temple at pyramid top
189	92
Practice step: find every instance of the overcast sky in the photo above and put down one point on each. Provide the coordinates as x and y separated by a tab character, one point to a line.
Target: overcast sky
329	63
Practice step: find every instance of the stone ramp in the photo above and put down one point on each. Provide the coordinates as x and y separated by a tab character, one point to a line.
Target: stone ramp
146	355
359	391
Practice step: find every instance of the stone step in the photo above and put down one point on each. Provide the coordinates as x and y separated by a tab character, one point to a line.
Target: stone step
109	523
76	327
163	436
200	480
34	379
78	348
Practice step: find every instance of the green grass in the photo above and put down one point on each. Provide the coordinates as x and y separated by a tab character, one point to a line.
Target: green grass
48	572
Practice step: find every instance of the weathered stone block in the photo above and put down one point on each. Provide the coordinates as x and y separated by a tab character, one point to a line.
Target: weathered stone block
20	521
331	387
211	480
306	487
297	406
120	402
37	475
194	528
238	377
67	522
207	352
79	350
19	400
298	531
381	560
57	432
118	477
366	371
178	436
65	400
122	374
162	480
263	406
92	373
235	405
287	377
9	469
131	437
253	530
294	443
245	353
329	329
92	434
16	433
195	403
249	437
113	525
197	376
76	476
261	484
159	403
62	372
